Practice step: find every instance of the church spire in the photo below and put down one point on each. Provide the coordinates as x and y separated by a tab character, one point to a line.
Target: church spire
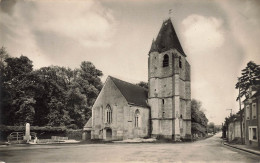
167	39
153	47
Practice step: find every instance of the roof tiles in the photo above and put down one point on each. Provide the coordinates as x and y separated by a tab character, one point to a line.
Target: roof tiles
167	39
134	94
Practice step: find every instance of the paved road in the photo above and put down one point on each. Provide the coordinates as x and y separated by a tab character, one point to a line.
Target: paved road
201	151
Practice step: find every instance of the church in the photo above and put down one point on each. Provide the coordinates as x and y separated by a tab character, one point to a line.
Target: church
124	111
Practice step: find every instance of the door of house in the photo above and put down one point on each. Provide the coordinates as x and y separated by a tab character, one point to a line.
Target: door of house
108	134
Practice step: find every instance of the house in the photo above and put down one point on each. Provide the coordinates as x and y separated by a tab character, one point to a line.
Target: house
252	119
123	110
234	129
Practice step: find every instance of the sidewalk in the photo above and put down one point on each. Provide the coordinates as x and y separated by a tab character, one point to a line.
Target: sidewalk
245	148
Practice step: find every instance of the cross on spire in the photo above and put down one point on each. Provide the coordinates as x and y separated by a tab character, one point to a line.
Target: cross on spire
170	13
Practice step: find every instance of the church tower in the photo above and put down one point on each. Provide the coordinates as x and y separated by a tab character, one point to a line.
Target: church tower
169	86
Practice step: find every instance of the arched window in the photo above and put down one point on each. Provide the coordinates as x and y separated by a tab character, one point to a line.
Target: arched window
137	118
108	114
163	101
165	60
180	64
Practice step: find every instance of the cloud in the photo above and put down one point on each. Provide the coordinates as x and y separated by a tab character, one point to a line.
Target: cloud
244	26
205	38
56	29
86	22
204	33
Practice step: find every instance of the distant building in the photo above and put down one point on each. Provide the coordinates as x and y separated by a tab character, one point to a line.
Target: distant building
123	110
234	129
252	119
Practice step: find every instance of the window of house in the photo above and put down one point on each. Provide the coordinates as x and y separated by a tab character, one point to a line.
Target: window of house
254	111
165	60
247	112
180	63
253	133
108	114
137	118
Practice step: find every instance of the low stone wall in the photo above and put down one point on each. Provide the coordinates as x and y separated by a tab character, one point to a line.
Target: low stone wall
45	132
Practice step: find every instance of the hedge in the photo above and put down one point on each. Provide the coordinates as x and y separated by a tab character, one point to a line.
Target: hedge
198	128
44	132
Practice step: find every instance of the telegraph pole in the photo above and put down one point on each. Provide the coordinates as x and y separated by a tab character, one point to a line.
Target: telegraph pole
231	111
241	115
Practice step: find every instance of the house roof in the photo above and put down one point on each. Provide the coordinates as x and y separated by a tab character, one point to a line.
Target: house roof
134	94
167	39
88	124
256	94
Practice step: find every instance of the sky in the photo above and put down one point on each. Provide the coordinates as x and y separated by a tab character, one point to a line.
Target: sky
218	37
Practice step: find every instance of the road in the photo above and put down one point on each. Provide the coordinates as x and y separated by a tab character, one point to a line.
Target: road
207	150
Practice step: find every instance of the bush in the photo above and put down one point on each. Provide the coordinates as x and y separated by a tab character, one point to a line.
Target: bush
44	132
72	126
74	134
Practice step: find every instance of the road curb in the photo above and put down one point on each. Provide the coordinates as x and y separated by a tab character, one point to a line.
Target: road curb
243	149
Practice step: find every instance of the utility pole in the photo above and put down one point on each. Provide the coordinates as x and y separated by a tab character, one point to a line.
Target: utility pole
231	111
241	115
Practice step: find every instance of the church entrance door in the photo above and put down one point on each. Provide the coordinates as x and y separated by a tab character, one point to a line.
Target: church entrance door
108	134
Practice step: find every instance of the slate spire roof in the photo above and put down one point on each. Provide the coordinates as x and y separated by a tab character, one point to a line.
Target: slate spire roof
167	39
154	47
133	94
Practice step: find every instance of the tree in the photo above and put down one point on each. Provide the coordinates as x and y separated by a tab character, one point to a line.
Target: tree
76	105
198	118
143	84
250	77
89	83
12	97
3	56
211	127
16	67
55	96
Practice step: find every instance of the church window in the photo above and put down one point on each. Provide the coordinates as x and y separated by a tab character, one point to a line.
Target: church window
165	60
108	114
163	101
254	111
137	118
180	64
